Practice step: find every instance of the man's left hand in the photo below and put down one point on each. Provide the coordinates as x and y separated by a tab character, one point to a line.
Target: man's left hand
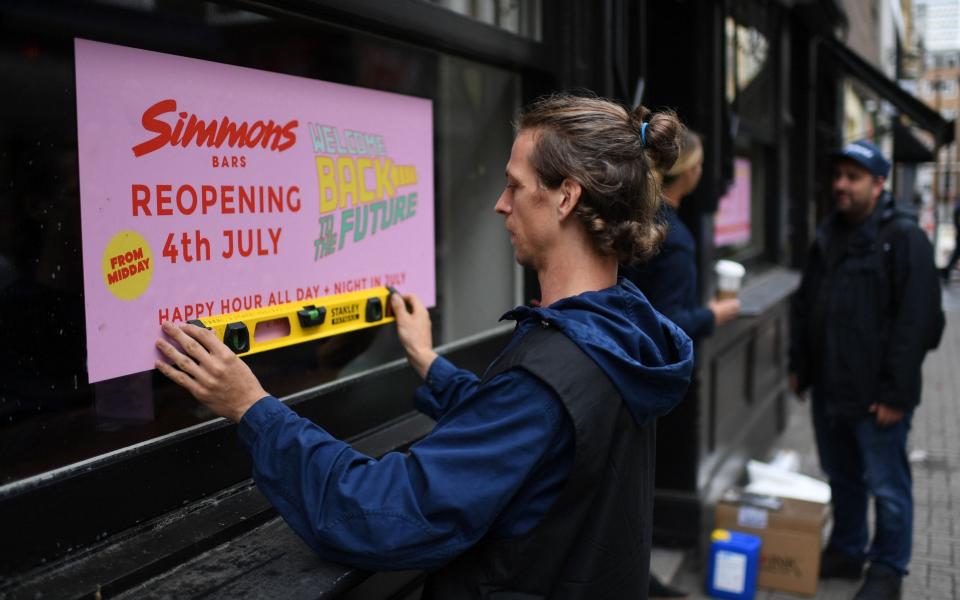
209	370
886	415
414	331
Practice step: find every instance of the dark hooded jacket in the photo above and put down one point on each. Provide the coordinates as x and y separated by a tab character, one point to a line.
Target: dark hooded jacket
495	463
859	316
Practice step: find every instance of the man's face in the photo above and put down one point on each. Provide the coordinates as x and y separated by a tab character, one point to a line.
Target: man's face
529	208
855	189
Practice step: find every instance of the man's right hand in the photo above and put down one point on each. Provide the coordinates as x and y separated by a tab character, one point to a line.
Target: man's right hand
209	370
413	329
724	310
886	415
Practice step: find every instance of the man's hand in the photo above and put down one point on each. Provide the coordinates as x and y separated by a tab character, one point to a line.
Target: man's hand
724	310
209	370
413	329
886	415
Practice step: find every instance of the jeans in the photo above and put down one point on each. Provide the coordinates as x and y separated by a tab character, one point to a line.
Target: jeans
954	257
861	458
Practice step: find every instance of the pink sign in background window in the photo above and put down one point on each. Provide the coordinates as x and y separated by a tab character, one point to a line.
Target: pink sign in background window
207	189
731	225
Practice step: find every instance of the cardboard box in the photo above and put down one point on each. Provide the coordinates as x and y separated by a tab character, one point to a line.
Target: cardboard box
791	531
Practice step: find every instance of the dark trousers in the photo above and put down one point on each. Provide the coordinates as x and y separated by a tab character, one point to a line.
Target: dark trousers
862	459
953	257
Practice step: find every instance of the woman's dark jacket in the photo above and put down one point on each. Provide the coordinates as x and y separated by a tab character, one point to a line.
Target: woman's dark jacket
669	280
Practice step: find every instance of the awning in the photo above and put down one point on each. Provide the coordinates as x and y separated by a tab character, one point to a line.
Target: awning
821	17
907	147
922	115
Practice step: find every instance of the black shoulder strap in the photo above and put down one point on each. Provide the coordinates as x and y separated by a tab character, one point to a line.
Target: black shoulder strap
552	357
898	224
588	395
891	230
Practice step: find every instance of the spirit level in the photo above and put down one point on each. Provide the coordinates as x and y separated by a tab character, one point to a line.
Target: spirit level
272	327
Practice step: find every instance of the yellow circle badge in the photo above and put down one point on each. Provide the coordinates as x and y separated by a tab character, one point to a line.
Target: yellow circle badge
127	265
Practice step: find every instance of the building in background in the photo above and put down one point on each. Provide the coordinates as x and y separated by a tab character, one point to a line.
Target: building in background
938	24
933	73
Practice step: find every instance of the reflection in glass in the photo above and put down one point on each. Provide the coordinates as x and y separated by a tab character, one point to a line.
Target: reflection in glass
750	86
521	17
747	50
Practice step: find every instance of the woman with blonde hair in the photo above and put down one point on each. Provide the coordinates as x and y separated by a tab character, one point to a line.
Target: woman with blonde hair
669	280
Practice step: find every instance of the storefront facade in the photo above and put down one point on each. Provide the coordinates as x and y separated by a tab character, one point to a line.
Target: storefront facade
128	488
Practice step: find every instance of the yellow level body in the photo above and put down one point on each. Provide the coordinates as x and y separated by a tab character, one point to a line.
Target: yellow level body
297	322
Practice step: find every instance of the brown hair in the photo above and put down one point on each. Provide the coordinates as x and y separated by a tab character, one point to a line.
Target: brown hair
597	143
691	152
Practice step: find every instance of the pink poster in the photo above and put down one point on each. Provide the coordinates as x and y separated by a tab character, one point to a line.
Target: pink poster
731	225
208	189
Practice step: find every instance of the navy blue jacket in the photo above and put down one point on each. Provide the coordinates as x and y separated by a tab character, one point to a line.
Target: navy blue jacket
493	465
669	280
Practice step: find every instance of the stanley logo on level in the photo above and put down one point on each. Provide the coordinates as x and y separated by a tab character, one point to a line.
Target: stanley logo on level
272	327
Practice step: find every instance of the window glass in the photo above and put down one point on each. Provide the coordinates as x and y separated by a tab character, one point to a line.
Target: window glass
731	224
50	415
750	78
739	231
478	278
747	50
521	17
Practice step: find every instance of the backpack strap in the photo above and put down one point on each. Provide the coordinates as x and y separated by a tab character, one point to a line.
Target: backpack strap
896	226
890	231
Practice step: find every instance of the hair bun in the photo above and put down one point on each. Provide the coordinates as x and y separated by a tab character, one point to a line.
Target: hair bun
663	136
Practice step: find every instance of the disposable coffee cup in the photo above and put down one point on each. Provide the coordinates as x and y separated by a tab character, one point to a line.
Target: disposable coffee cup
729	278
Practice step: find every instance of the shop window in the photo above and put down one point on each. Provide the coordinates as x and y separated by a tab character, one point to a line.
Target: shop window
50	415
747	50
750	87
738	228
749	76
731	225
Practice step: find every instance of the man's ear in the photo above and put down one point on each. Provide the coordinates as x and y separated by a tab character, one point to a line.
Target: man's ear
878	182
570	191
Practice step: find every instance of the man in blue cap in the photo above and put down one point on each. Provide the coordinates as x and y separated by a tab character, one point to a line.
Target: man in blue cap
863	319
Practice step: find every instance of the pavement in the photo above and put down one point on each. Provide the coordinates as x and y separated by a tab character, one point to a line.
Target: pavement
934	447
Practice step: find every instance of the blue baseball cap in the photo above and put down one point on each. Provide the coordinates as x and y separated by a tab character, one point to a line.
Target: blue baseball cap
867	155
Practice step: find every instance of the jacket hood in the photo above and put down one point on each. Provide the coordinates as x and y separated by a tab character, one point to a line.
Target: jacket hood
646	356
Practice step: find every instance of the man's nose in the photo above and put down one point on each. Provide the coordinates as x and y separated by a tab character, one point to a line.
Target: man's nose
502	206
